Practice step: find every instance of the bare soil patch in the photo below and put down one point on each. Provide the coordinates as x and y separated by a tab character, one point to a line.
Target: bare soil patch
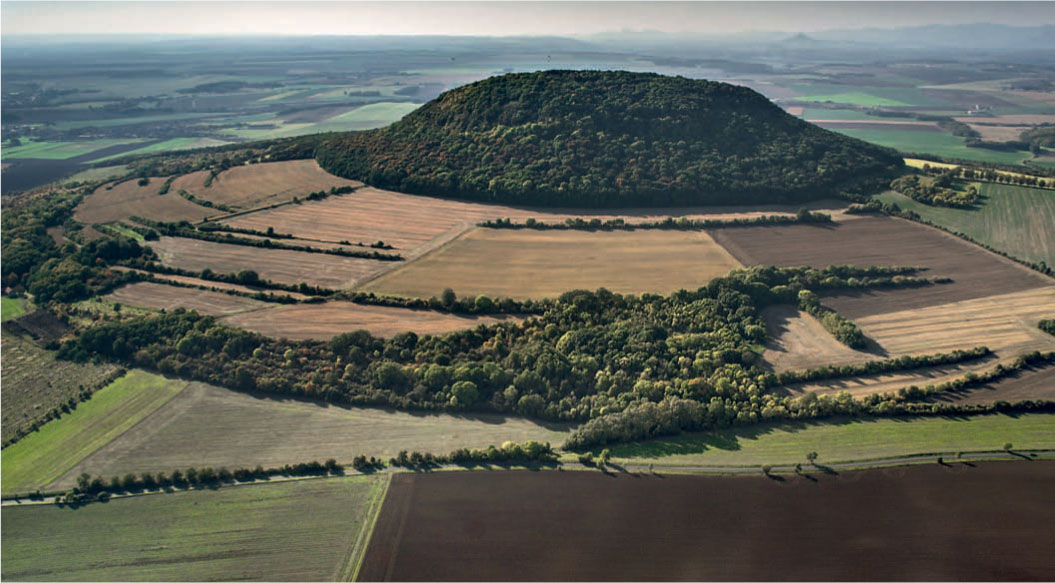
796	340
1033	384
210	426
159	296
533	264
976	272
324	321
279	265
245	187
919	523
129	199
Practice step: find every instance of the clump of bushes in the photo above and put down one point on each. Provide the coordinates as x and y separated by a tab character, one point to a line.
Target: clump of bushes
843	330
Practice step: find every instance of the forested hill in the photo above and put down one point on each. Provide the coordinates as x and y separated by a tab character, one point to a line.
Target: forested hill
605	139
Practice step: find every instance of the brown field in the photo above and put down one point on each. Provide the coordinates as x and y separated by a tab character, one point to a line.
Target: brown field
988	522
1015	119
255	185
1005	323
884	241
535	264
324	321
795	109
159	296
998	133
912	126
33	381
888	383
210	426
415	224
129	199
278	265
1034	383
796	340
207	283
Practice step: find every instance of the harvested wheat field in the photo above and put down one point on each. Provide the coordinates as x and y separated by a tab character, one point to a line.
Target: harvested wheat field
414	224
998	133
210	426
159	296
220	285
324	321
1033	384
887	383
129	199
976	272
536	264
919	523
796	340
1005	323
256	185
278	265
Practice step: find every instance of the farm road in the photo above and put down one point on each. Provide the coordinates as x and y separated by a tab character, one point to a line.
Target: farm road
948	459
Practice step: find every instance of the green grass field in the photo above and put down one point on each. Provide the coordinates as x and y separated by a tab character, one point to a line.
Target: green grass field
59	150
42	457
845	440
11	308
938	143
93	174
303	530
814	113
168	146
855	98
1013	219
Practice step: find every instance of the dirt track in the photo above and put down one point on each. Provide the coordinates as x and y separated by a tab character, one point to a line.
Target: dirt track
918	523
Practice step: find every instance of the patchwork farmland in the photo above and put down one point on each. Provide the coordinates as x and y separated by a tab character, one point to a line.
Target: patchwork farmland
257	185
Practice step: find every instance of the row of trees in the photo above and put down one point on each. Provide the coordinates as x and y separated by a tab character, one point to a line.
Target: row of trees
510	452
803	216
843	330
872	367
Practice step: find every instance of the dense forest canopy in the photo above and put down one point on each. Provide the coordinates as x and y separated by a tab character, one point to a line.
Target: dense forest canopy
606	139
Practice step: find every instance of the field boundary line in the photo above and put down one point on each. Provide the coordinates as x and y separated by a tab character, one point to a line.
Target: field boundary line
439	242
350	569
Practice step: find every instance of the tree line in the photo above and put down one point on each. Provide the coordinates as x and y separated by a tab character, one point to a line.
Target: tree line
873	367
843	330
803	216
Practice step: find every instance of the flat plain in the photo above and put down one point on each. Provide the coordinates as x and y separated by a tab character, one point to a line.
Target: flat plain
43	456
326	320
923	523
301	530
533	264
255	185
211	426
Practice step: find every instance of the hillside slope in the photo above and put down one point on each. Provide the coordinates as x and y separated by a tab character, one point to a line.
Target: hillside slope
605	139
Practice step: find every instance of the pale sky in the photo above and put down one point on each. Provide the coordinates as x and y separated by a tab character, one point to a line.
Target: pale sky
492	18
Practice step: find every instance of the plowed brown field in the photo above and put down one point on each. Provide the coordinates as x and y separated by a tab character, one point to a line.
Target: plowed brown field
989	522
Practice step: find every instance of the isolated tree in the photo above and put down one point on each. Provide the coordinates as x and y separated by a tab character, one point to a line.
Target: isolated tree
448	297
812	457
1007	447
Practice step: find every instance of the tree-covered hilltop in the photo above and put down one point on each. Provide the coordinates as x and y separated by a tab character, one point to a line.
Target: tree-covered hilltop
606	139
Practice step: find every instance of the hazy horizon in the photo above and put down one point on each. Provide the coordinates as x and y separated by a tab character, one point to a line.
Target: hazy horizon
43	18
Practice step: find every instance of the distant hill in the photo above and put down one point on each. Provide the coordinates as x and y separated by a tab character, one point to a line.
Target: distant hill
605	139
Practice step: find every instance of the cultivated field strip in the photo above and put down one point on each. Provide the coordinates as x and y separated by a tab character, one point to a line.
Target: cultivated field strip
129	199
255	185
1005	323
326	320
1034	383
796	340
976	272
888	383
923	523
159	296
208	283
301	530
535	264
211	426
278	265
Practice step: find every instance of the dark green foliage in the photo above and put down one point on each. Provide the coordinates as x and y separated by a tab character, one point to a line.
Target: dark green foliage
842	329
511	452
937	192
1047	326
606	139
670	223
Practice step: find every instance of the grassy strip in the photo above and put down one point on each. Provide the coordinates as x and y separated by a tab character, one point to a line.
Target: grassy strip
881	366
11	308
42	457
844	440
357	552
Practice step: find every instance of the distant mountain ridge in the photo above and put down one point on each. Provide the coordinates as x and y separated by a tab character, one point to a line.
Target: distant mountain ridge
605	139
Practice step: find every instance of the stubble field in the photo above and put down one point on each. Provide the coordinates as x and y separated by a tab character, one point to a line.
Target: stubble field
129	199
534	264
255	185
919	523
159	296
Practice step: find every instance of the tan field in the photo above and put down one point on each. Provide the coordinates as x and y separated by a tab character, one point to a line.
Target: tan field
537	264
888	383
324	321
212	284
1014	119
1005	323
129	199
998	133
798	341
235	430
159	296
255	185
278	265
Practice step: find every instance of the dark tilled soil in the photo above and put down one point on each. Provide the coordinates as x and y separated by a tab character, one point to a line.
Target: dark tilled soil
987	522
976	272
